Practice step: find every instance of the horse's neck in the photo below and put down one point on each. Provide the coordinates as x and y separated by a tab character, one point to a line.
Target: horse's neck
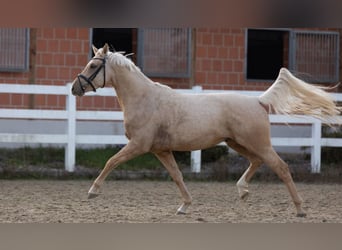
132	88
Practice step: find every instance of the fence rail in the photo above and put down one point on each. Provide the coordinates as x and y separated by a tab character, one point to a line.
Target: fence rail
70	139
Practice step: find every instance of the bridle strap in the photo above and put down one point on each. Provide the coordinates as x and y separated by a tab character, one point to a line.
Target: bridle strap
92	76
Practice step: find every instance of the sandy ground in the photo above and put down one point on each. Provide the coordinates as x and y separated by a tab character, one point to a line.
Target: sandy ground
156	201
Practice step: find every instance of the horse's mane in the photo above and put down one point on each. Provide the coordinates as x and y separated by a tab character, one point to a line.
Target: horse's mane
119	59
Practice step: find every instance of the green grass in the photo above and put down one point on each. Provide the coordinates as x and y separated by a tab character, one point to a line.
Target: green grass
25	156
95	157
40	158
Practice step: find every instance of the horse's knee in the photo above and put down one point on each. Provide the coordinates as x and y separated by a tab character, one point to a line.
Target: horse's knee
274	162
283	171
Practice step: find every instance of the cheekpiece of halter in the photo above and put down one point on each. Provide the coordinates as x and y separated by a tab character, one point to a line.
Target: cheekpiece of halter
90	79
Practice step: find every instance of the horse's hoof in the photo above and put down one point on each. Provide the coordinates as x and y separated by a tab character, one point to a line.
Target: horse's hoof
182	209
302	214
92	195
93	191
244	195
179	212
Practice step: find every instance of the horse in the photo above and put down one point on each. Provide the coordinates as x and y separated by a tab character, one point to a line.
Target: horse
160	120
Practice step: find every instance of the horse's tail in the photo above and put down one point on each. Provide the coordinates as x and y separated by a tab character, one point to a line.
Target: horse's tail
292	96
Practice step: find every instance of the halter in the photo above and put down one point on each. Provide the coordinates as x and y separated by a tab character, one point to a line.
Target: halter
92	77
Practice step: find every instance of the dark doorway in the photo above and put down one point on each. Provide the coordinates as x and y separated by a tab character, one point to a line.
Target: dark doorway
119	39
265	53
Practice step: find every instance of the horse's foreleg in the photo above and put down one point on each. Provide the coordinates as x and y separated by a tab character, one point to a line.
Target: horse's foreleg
168	160
126	153
242	184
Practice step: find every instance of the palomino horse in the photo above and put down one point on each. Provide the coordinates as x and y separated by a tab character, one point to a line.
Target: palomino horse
160	120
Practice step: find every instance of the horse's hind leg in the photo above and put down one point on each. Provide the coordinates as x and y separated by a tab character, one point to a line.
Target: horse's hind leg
272	159
168	160
255	162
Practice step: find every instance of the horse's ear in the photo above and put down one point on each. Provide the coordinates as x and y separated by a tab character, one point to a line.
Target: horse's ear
105	48
94	49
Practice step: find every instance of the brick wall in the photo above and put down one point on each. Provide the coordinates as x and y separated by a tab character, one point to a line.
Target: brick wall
220	58
218	63
60	55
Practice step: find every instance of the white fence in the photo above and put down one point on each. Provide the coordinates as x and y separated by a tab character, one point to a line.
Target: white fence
70	139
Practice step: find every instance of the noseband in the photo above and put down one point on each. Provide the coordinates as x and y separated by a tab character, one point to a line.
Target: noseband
92	77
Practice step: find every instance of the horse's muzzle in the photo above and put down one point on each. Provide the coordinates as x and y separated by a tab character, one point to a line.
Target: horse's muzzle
76	90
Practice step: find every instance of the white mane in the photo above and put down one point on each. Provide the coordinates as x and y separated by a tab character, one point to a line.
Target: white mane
117	58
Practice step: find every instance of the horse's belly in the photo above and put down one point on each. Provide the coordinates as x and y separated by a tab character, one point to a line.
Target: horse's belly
195	143
192	147
185	142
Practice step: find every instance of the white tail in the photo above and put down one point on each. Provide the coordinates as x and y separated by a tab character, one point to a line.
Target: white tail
292	96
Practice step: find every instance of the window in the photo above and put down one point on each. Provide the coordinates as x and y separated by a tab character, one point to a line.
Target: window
315	54
14	47
165	52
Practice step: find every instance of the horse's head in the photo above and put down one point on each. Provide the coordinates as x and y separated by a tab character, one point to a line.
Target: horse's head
93	75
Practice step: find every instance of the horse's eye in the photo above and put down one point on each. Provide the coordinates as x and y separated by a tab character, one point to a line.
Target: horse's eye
92	66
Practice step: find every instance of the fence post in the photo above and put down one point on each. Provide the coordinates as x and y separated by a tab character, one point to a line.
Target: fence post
196	161
316	133
70	148
196	155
